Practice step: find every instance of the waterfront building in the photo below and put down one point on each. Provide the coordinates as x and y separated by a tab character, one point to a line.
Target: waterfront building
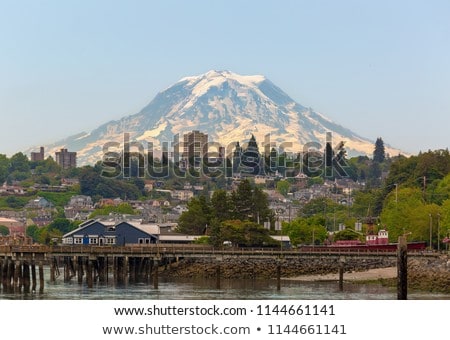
112	232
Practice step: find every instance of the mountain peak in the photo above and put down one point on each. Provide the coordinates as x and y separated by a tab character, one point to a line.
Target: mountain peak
229	107
214	77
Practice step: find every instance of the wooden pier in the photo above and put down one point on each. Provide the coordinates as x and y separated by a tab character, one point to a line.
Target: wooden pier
138	263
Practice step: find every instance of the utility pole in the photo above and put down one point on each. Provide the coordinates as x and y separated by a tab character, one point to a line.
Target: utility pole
431	232
424	188
438	239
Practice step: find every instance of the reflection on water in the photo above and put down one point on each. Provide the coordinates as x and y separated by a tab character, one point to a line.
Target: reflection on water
205	289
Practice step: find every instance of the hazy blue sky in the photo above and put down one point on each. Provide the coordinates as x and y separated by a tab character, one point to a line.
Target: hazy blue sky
380	68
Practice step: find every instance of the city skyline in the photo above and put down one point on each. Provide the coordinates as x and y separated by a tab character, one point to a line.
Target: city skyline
379	69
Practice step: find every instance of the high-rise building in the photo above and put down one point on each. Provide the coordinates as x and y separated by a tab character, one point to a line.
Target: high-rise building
66	159
38	156
195	146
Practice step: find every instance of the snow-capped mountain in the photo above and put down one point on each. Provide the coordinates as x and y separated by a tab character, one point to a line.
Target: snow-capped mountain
228	107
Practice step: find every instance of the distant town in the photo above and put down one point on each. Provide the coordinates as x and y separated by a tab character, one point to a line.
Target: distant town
245	198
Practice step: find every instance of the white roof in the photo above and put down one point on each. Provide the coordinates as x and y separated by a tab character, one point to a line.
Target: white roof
10	220
148	228
282	238
174	237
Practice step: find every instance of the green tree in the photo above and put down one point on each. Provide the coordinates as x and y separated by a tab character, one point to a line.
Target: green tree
89	180
260	206
379	154
367	203
195	220
4	230
19	162
4	165
283	187
221	205
33	232
46	235
16	202
346	235
63	225
214	233
245	233
408	213
306	230
374	176
441	191
444	220
243	201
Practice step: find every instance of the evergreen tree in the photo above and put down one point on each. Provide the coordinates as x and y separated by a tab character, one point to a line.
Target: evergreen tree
251	158
379	154
243	201
237	158
197	218
220	204
260	206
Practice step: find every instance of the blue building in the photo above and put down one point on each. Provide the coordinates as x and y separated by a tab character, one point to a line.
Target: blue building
95	232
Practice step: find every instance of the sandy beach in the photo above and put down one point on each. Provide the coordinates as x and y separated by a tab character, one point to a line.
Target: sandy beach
371	274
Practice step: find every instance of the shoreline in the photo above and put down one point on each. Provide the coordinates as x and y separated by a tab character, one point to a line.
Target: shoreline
366	275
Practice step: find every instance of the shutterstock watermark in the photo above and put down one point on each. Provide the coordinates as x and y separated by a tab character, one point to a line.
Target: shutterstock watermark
210	159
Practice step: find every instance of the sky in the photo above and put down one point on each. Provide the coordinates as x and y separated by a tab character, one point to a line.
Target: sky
380	68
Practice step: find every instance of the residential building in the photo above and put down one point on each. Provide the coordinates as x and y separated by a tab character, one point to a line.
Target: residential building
14	190
80	201
38	156
66	159
182	195
195	146
79	208
39	203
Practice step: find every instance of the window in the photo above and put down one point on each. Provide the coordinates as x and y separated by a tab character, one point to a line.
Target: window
110	240
93	240
68	240
78	240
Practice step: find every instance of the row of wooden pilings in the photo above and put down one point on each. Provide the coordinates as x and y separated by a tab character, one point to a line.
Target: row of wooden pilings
102	269
18	276
15	274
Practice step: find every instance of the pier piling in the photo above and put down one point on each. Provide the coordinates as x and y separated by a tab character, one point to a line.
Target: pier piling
33	276
402	269
26	277
278	276
1	273
17	278
89	278
155	274
218	276
80	271
66	269
10	275
341	273
41	277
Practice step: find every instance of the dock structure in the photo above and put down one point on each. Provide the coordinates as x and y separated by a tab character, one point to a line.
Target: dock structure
139	263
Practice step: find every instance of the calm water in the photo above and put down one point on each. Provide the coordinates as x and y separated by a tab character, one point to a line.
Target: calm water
205	289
